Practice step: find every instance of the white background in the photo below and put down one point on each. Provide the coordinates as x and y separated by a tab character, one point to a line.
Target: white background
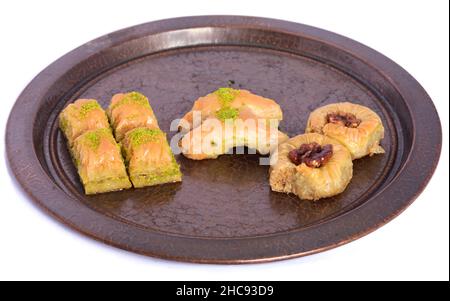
413	246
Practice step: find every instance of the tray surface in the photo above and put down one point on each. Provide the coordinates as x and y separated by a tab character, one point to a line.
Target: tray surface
224	210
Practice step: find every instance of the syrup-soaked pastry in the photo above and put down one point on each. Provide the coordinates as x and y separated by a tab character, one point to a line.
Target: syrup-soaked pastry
149	158
214	138
99	162
227	103
81	116
357	127
128	111
253	123
311	166
91	144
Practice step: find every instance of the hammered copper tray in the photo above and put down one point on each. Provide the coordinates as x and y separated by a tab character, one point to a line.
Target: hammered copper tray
224	210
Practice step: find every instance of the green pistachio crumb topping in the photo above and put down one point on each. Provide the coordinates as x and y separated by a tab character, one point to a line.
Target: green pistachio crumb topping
92	139
226	95
227	113
132	97
87	107
143	135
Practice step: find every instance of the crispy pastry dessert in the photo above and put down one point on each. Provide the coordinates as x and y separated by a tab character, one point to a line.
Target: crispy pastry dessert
129	111
81	116
230	118
357	127
92	146
226	103
213	138
311	166
99	162
148	156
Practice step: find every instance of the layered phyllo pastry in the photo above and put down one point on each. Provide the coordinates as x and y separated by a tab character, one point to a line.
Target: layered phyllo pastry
147	154
81	116
99	162
149	158
355	126
94	151
229	118
214	138
311	166
226	103
129	111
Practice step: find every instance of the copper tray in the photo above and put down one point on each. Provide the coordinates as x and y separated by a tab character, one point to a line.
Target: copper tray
224	210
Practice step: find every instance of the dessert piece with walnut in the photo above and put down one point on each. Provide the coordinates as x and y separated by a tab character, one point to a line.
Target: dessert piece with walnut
311	166
357	127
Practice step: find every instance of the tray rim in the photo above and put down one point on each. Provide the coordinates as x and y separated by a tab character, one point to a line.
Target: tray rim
25	170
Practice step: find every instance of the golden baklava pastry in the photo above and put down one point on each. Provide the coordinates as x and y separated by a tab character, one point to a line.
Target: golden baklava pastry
149	158
311	166
99	162
357	127
131	110
225	103
216	137
228	118
81	116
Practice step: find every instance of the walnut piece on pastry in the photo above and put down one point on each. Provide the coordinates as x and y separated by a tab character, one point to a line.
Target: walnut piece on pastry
311	166
355	126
